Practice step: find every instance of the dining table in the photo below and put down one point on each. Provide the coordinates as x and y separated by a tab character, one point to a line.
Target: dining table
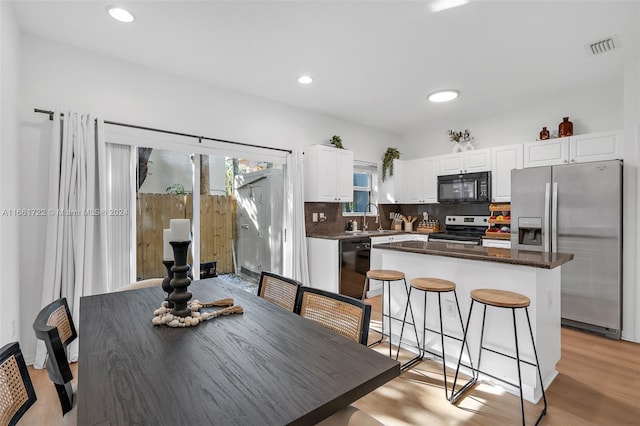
265	366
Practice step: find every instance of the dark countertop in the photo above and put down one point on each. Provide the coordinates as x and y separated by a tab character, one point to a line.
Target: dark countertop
544	260
359	234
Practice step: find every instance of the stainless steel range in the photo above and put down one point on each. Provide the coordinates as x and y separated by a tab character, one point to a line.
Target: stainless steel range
462	230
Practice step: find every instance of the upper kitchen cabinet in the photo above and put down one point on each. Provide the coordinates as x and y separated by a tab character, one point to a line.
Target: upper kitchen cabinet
477	160
328	174
503	160
595	147
392	190
574	149
546	153
421	182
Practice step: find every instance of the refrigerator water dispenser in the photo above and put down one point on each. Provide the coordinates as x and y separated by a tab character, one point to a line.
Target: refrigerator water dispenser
530	231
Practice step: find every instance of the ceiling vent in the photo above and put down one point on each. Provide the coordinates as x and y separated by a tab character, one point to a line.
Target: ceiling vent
602	46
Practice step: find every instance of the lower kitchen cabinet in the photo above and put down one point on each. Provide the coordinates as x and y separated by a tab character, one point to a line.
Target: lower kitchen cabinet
324	263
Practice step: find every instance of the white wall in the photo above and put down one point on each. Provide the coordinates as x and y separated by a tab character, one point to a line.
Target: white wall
591	109
10	279
632	154
60	76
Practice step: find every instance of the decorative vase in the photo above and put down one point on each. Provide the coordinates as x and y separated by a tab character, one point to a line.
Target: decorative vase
544	134
457	147
166	283
180	296
468	146
565	128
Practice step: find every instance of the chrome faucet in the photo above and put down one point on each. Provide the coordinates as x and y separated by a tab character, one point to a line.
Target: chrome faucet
364	217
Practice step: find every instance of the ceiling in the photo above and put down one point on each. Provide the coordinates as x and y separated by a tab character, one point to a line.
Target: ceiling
373	62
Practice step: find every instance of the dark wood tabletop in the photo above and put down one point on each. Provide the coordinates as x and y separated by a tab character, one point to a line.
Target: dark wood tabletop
263	367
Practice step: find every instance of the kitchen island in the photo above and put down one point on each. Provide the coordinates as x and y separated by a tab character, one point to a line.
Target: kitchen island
533	274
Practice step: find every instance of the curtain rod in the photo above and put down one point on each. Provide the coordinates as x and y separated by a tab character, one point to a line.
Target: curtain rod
170	132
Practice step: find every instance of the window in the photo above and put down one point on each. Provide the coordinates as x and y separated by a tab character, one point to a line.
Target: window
364	192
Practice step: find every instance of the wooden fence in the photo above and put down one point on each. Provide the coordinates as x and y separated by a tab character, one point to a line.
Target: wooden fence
217	229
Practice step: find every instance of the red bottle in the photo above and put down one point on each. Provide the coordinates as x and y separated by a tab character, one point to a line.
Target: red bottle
565	128
544	134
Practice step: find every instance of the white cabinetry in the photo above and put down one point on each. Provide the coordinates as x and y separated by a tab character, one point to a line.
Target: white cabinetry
324	262
328	174
477	160
503	160
422	180
392	190
574	149
595	147
546	153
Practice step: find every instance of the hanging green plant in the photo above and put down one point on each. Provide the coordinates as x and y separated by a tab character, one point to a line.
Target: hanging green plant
336	141
387	162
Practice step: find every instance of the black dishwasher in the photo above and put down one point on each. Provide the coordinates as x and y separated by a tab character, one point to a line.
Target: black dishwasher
354	264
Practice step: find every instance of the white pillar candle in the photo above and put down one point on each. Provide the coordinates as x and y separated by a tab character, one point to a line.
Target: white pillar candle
167	250
180	230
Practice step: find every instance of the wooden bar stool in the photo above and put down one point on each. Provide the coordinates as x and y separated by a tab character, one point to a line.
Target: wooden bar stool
388	276
438	286
507	300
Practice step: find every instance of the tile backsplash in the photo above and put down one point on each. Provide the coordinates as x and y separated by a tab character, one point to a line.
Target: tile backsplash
335	223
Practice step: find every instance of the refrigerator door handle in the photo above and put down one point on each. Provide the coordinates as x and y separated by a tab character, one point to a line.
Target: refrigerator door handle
554	218
545	223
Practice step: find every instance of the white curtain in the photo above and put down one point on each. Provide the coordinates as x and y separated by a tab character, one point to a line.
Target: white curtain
296	264
121	174
76	238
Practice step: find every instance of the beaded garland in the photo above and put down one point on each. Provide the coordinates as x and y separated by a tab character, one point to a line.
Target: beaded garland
164	315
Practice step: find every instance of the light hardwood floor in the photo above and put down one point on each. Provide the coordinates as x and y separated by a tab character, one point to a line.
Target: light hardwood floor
598	384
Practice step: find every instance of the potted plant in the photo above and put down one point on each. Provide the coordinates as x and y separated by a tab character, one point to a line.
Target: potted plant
461	140
387	162
336	141
460	135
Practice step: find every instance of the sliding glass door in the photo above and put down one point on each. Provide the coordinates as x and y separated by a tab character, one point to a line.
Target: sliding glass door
235	207
164	192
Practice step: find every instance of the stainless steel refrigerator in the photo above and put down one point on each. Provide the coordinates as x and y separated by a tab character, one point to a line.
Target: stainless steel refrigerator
576	208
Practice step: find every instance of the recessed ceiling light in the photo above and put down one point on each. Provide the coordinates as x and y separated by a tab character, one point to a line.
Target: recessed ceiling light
440	5
120	14
443	95
305	79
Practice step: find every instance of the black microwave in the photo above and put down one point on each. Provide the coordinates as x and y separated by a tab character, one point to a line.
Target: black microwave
465	188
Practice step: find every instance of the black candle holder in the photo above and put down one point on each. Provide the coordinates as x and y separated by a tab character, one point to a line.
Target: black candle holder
166	283
180	281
